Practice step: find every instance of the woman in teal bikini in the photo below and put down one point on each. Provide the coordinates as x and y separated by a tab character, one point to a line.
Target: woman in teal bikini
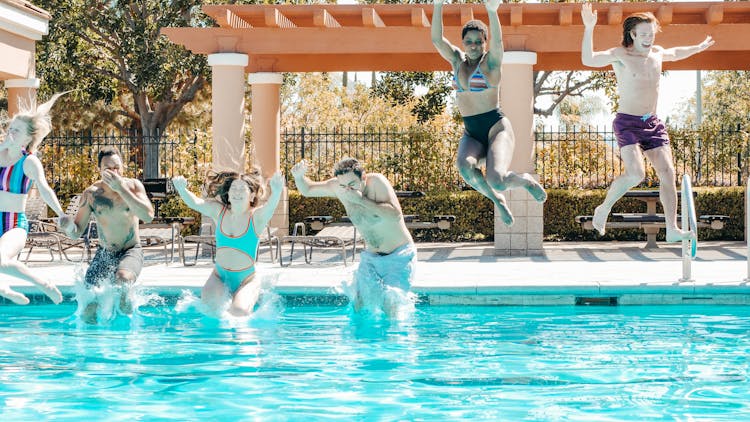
488	135
19	168
234	205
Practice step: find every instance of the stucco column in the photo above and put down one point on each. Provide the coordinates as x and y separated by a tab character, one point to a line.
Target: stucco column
524	237
266	134
21	93
266	120
228	103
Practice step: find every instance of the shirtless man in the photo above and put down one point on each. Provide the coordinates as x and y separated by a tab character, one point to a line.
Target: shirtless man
117	203
637	66
390	256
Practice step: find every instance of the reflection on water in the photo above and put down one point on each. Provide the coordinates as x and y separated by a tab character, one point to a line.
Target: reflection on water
320	362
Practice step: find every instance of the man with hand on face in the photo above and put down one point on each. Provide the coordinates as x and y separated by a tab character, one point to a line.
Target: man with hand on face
387	264
118	203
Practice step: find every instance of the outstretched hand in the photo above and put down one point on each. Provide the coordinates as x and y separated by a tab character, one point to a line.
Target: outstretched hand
299	169
179	183
492	5
277	182
708	42
588	17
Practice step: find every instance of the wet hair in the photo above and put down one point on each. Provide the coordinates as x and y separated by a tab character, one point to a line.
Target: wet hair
629	24
218	184
348	165
38	121
107	151
475	25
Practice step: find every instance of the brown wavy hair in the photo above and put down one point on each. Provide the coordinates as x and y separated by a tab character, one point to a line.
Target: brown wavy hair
629	24
218	184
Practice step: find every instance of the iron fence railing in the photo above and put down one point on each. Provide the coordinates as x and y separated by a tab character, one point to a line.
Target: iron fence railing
417	158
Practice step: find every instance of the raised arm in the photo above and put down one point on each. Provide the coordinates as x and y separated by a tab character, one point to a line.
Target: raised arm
33	168
495	52
262	215
307	187
679	53
447	50
588	56
210	208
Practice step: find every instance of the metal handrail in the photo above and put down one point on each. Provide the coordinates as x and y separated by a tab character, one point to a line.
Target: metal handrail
689	223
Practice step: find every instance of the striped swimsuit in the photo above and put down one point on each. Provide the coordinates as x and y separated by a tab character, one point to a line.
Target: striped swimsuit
478	126
14	180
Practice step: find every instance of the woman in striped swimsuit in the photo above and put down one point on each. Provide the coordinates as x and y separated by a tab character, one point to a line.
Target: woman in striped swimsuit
488	133
19	168
234	203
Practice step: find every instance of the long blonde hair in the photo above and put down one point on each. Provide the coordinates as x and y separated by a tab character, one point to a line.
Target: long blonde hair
38	121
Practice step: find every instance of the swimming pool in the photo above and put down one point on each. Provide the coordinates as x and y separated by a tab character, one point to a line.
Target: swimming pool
321	362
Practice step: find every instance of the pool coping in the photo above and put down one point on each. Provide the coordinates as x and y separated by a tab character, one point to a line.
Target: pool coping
468	276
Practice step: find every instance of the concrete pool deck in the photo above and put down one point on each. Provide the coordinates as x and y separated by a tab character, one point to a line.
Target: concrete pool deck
567	273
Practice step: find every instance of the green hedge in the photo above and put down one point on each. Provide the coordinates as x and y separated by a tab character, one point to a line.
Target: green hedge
474	214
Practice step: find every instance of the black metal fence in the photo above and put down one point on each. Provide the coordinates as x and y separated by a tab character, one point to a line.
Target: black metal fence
413	159
588	157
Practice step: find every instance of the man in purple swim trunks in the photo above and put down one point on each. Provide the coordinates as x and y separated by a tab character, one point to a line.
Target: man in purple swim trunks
637	66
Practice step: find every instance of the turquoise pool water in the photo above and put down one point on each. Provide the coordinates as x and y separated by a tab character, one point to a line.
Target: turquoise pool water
319	363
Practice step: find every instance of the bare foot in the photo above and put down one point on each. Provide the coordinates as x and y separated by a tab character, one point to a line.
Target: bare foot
677	235
600	219
502	207
535	189
14	296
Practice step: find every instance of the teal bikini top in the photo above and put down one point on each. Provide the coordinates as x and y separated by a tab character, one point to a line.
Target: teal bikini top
246	242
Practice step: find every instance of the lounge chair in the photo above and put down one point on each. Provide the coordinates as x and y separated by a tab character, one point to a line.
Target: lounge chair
331	235
43	232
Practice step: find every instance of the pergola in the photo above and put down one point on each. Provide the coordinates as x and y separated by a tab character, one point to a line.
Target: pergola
21	26
266	40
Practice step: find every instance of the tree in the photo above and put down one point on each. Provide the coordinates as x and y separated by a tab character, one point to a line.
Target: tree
112	54
401	87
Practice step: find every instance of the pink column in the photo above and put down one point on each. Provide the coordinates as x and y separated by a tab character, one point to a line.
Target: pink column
228	103
517	102
21	94
266	93
266	134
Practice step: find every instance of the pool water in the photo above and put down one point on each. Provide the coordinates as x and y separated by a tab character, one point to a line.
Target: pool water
320	363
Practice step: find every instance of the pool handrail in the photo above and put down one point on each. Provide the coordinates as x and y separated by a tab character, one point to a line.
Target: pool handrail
689	223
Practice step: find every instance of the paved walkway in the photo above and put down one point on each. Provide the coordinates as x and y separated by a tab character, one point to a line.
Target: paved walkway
470	273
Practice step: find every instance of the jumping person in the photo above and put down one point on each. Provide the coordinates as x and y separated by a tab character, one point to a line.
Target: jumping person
118	203
388	263
235	203
19	168
637	64
488	134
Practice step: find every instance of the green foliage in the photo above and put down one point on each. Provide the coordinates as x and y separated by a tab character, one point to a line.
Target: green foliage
112	54
563	206
474	214
173	206
400	87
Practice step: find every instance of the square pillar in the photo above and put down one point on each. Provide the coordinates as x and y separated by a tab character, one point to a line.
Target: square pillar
524	237
228	117
21	94
266	134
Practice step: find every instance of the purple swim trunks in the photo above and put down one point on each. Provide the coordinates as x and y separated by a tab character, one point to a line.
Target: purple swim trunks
647	131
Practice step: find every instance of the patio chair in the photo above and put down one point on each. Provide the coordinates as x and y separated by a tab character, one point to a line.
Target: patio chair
331	235
160	234
43	232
